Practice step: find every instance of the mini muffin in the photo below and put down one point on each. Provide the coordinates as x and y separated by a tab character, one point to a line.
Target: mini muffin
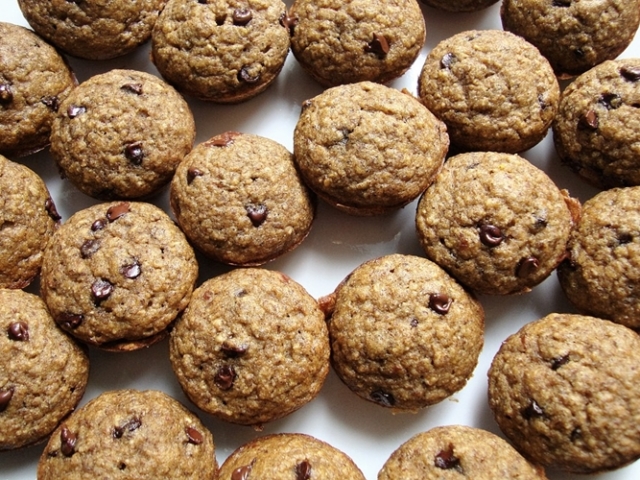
93	30
121	134
493	90
495	222
573	35
368	149
116	275
225	51
598	124
458	451
339	42
565	390
28	219
43	372
404	334
240	200
130	434
251	347
459	5
600	277
289	456
34	79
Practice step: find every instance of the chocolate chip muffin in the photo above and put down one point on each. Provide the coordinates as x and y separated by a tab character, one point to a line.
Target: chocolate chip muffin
340	42
130	434
222	51
116	275
573	35
251	347
28	219
459	5
368	149
404	334
598	124
495	222
34	79
43	372
600	276
121	134
239	199
93	30
289	456
493	90
458	451
565	391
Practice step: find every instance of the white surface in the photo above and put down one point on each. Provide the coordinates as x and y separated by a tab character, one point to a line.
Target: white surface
337	244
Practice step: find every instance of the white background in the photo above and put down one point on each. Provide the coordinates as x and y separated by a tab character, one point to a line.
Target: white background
337	244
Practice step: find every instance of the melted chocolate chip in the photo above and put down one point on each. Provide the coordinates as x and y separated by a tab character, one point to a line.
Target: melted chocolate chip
5	397
128	427
225	376
131	270
561	3
611	101
223	140
242	473
51	209
440	303
232	350
447	60
70	321
194	436
134	152
68	442
589	121
18	331
51	102
378	45
6	94
383	398
132	87
116	211
245	76
242	16
527	266
257	214
289	22
303	470
624	238
101	289
446	460
558	362
89	247
533	410
490	235
192	173
74	110
98	225
629	73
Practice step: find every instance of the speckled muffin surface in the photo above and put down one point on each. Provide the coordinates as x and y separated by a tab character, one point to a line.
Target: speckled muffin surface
34	79
495	222
573	35
600	277
251	347
564	391
121	134
493	90
459	5
221	51
457	451
96	30
43	372
340	42
368	149
598	124
404	334
116	275
28	219
240	200
289	456
130	434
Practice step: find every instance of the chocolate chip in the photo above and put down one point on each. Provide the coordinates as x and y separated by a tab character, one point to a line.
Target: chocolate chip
131	270
89	247
631	74
611	101
447	60
414	322
624	238
192	173
578	52
490	235
446	460
378	45
134	153
242	16
225	376
68	442
440	303
576	433
527	266
232	350
18	331
245	76
533	410
589	121
289	22
98	225
51	209
242	473
6	94
132	87
74	110
257	214
116	211
5	397
101	289
128	427
70	321
561	3
558	362
194	436
303	470
223	140
51	102
383	398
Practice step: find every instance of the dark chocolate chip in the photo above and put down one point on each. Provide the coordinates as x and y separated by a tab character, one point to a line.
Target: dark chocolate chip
257	214
533	410
5	397
490	235
6	94
631	74
611	101
192	173
131	270
98	225
74	110
589	121
561	3
383	398
116	211
194	436
576	433
446	460
378	45
134	153
233	350
624	238
132	87
242	473
303	470
89	247
51	102
70	321
51	209
558	362
245	76
289	22
128	427
223	140
447	60
68	442
225	376
527	266
440	303
101	289
18	331
242	16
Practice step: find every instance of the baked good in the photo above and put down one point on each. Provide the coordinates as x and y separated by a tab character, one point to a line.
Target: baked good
28	219
121	134
573	35
459	5
565	391
493	90
115	275
251	347
404	334
600	277
458	451
495	222
34	79
130	434
289	456
338	42
224	51
240	200
598	124
43	372
368	149
93	30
